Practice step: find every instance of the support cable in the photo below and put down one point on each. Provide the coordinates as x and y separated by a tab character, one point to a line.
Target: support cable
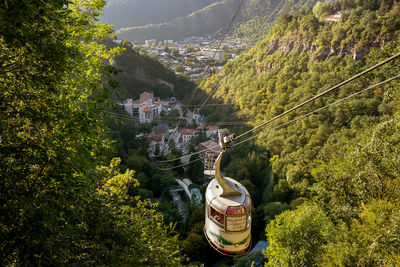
317	110
265	23
294	120
197	87
174	167
322	94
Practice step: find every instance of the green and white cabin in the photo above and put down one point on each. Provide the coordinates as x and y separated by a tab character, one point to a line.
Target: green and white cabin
228	209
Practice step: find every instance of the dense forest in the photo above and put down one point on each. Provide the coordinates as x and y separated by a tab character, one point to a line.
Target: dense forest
63	202
334	172
77	187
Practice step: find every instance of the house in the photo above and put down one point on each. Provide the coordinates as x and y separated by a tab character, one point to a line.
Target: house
156	141
187	134
210	130
151	41
216	54
128	106
335	17
209	146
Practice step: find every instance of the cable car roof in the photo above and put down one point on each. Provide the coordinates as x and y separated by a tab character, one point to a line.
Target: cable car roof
221	203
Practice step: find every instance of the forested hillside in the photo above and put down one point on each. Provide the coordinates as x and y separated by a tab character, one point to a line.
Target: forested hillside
258	16
341	162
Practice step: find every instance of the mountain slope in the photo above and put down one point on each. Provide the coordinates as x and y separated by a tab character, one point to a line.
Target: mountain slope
124	13
301	57
205	21
137	73
334	174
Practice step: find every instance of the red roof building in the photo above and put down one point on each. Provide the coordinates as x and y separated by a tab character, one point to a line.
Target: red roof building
187	134
146	97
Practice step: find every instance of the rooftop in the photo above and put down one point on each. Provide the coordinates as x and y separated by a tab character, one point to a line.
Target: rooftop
145	96
211	144
187	131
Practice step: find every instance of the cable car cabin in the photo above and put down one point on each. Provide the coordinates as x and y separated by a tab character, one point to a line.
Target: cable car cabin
228	210
228	220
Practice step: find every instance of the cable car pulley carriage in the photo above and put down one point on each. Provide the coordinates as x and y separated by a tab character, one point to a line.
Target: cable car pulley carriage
228	209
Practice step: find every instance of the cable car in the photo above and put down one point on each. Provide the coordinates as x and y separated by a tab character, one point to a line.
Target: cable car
228	209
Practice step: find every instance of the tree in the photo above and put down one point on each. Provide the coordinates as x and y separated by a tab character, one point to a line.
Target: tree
194	170
57	208
141	237
179	68
297	238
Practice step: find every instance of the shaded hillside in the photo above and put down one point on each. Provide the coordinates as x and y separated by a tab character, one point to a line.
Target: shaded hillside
138	72
201	22
211	18
122	13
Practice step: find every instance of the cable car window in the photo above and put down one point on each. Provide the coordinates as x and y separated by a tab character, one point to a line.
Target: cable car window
236	210
247	203
217	216
235	223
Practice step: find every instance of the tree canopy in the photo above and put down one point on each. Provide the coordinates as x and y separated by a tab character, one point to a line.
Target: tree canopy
57	206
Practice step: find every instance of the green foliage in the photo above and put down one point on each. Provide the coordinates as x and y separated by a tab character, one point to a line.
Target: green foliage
297	238
341	161
57	208
320	10
255	259
272	209
146	241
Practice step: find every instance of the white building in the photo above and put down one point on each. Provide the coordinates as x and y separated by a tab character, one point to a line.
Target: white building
146	109
209	130
151	41
187	134
216	54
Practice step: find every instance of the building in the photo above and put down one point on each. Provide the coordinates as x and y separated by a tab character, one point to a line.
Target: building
156	141
216	54
187	134
209	146
335	17
151	41
210	130
146	109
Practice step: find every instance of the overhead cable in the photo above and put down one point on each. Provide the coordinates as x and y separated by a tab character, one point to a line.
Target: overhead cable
265	23
322	94
317	110
174	167
291	121
220	42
